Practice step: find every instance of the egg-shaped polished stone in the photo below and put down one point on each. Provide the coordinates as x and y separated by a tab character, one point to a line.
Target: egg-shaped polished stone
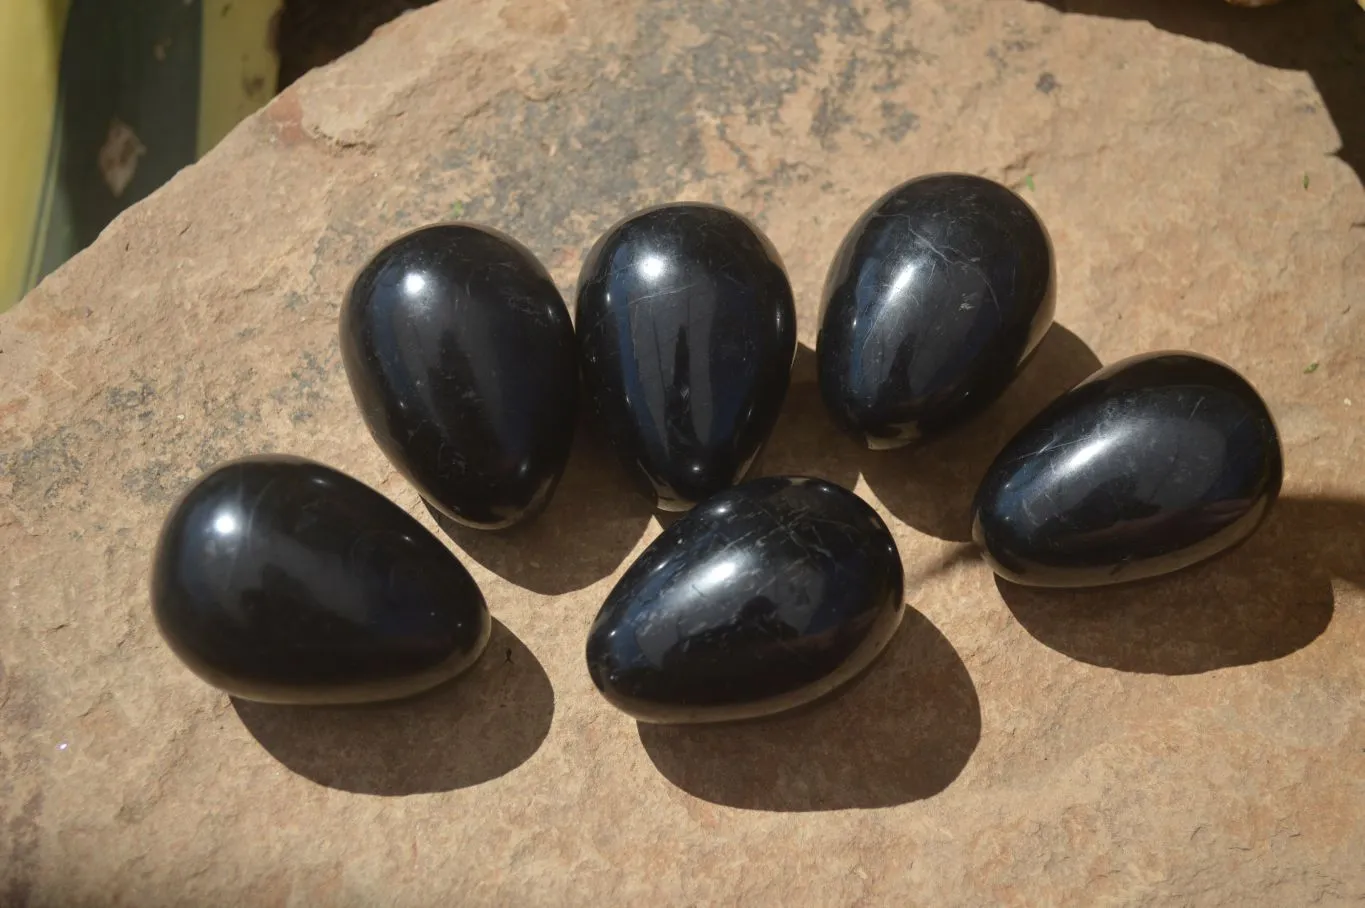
461	356
1150	465
761	598
282	580
935	298
687	332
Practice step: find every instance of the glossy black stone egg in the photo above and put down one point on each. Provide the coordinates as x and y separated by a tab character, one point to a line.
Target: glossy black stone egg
282	580
762	598
1150	465
461	356
687	332
935	298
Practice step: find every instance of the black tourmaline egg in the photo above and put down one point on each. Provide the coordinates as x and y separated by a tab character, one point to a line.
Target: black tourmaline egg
763	597
1148	466
282	580
937	295
461	356
687	333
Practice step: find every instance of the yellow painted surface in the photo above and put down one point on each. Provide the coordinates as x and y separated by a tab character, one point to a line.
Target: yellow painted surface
238	67
30	51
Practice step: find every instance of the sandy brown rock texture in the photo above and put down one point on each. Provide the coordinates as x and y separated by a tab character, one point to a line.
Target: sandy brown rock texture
1194	741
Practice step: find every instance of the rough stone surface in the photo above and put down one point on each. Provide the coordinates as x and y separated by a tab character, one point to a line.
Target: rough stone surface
1199	740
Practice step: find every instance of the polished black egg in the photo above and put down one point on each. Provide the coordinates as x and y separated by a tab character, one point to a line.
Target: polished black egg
282	580
687	332
1150	465
461	356
761	598
936	296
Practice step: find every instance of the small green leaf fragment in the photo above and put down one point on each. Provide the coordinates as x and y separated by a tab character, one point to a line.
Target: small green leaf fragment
1310	369
1028	181
1305	181
457	210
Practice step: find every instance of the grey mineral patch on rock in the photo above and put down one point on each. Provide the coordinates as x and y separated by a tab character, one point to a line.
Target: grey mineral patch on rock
156	482
311	383
44	469
899	120
832	114
135	397
636	139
